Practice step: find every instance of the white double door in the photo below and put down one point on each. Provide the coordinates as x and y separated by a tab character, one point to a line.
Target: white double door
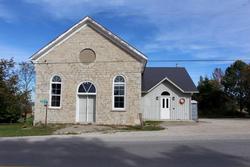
87	108
165	107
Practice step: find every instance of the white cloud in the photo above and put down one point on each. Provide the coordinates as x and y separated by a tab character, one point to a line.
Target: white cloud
203	28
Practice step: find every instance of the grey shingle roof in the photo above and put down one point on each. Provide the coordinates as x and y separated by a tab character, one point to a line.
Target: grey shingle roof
178	75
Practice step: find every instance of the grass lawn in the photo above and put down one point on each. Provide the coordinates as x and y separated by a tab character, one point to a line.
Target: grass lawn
8	130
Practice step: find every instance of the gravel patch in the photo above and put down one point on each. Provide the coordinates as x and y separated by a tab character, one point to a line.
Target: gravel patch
80	129
175	130
210	127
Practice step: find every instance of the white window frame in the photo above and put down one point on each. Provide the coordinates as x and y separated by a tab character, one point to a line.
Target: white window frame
113	96
50	93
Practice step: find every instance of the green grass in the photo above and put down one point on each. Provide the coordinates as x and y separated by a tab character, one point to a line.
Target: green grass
9	130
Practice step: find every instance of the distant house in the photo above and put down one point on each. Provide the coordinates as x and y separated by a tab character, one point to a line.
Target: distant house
88	74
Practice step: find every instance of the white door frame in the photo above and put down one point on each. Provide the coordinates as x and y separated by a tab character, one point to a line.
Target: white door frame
165	109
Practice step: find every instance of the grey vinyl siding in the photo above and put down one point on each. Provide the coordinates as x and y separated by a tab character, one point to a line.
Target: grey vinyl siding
151	106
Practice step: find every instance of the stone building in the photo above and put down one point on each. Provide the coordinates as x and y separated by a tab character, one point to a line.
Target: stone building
89	75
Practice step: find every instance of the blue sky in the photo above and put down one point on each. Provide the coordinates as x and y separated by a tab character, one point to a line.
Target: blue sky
161	29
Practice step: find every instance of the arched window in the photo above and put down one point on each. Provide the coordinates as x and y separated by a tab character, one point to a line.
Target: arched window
119	93
55	94
165	93
86	88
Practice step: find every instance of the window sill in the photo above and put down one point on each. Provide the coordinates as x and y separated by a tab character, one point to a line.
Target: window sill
54	108
118	110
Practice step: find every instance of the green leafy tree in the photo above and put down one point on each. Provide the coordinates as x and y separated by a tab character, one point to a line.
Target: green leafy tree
10	110
235	84
246	81
212	101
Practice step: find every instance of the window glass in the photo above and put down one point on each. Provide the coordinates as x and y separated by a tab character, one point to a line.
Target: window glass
119	79
167	103
56	79
55	101
165	93
86	87
56	89
119	90
81	89
119	102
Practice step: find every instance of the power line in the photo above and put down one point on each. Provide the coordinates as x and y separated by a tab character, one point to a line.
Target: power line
152	61
149	61
198	60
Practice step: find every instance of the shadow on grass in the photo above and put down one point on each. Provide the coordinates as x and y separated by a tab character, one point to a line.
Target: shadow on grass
76	151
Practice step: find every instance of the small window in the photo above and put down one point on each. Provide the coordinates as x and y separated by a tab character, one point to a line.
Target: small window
56	87
119	93
165	93
56	79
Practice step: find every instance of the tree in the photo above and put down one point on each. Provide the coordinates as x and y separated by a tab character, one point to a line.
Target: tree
212	101
10	110
26	81
26	76
246	81
234	83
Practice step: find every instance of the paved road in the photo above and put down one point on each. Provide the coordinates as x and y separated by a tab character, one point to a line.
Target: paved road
88	151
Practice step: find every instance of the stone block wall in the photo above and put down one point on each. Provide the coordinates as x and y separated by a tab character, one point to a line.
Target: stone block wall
110	61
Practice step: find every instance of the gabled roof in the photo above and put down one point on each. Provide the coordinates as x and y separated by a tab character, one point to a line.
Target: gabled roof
100	29
178	76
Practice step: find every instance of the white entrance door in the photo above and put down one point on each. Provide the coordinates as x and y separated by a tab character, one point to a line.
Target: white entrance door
165	107
90	108
86	108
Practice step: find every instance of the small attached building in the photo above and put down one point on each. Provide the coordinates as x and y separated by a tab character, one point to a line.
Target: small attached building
166	93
